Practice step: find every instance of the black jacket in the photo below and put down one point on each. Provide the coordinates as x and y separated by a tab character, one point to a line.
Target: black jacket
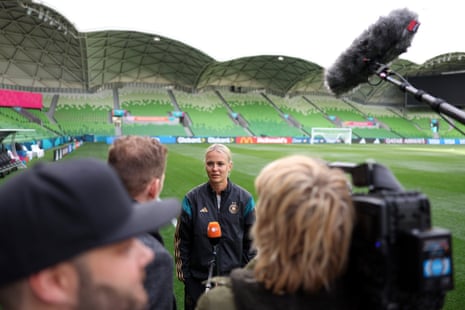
193	249
158	282
250	294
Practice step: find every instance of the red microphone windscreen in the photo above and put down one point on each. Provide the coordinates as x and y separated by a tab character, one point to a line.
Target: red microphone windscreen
214	230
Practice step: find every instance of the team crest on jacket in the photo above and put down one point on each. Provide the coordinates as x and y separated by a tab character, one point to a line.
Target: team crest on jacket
233	208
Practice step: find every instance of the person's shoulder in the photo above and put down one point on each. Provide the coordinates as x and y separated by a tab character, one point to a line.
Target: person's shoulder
220	297
240	189
151	242
201	188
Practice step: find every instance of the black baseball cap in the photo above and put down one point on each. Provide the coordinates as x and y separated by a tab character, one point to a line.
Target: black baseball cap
52	212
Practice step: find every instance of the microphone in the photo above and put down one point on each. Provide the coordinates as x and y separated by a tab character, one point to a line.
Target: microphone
214	232
214	235
381	43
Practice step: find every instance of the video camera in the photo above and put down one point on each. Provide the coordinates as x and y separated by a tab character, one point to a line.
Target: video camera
398	260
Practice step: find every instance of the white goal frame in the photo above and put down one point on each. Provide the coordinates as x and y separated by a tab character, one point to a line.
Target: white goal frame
331	135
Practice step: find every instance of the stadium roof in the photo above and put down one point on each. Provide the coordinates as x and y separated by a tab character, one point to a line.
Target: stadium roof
276	74
132	57
41	50
446	63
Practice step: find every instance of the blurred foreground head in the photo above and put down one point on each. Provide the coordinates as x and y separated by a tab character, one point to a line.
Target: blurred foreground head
67	238
304	221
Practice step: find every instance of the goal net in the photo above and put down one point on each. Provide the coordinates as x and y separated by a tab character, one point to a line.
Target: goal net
331	135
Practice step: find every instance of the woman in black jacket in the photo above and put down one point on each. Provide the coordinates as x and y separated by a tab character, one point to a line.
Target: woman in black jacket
218	200
302	235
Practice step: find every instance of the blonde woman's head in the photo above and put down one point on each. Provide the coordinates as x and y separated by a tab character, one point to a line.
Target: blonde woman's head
304	221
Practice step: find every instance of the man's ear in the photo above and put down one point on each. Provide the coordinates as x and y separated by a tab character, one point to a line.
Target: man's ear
55	285
154	188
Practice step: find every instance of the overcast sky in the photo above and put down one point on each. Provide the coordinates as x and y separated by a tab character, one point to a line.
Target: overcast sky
317	31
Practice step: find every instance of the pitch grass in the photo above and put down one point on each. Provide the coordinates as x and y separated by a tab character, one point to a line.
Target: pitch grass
437	171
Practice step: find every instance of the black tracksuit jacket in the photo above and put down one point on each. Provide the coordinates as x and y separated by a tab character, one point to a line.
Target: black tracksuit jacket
193	249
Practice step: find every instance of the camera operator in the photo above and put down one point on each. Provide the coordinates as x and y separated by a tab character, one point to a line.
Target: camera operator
303	229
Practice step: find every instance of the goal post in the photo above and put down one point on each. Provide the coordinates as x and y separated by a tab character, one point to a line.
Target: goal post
331	135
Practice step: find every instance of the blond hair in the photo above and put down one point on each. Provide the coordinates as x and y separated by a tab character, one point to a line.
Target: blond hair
304	221
220	148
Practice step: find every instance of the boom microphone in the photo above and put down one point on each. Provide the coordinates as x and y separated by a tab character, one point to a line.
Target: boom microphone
381	43
214	232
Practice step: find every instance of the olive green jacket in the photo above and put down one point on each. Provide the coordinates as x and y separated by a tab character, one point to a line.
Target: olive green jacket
221	297
241	291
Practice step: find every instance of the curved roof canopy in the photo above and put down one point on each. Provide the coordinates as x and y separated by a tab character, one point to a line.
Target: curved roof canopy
41	50
135	57
445	63
277	74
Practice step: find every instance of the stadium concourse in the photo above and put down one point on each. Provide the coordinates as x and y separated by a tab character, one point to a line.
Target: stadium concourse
93	86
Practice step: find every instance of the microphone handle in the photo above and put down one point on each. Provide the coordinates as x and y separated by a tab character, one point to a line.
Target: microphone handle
208	285
437	104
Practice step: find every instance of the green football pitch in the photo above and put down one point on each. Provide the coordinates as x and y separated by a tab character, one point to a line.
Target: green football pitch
436	171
